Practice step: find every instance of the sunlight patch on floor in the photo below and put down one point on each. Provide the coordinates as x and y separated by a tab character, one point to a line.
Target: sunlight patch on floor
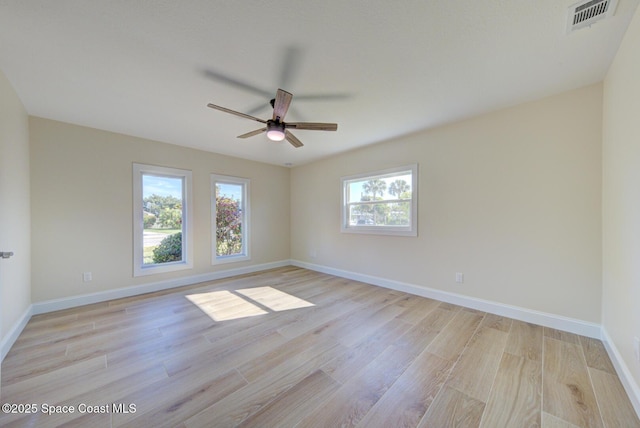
274	299
227	305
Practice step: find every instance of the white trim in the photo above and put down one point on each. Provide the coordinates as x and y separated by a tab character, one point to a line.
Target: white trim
10	338
629	383
559	322
118	293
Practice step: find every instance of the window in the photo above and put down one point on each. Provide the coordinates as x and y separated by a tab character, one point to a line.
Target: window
162	238
230	218
381	202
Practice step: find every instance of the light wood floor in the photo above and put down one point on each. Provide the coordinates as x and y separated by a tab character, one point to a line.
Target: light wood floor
291	347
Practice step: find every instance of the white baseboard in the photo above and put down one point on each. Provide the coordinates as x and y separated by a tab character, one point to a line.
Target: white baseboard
558	322
103	296
629	383
119	293
10	338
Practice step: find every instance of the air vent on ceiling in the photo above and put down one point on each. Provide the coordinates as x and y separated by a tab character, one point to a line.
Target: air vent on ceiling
585	13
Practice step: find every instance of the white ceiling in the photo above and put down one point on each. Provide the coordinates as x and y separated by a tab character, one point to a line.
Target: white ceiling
145	68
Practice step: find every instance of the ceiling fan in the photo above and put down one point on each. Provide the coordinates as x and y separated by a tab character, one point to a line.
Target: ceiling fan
289	66
277	129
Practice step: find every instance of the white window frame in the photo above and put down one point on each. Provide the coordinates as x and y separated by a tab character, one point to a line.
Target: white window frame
139	268
410	230
246	216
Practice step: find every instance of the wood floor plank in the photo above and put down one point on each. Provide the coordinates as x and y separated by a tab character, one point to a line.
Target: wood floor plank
43	321
61	336
475	370
525	340
550	421
170	401
516	395
290	354
422	335
224	359
349	404
230	335
449	345
496	321
435	320
199	325
345	366
119	383
249	400
562	335
415	308
159	349
52	327
50	387
452	408
449	306
407	401
350	334
103	392
317	318
291	405
616	409
101	344
596	355
567	389
38	360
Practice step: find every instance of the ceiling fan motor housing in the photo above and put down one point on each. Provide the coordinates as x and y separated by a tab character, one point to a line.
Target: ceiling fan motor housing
275	130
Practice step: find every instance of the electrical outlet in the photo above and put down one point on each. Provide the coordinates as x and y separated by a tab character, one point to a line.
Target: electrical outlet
313	253
459	277
86	276
636	348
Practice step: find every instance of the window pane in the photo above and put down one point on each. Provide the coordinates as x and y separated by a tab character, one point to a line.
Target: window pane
360	214
383	214
393	188
162	206
385	188
400	214
229	219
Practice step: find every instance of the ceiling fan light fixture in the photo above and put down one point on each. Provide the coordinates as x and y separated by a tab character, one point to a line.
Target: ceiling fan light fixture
275	131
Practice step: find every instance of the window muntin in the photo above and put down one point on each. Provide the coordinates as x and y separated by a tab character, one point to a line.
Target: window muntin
230	219
161	219
381	202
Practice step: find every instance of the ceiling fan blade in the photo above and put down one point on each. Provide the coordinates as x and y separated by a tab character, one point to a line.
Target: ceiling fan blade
258	108
235	82
292	139
237	113
252	133
312	126
290	65
281	105
322	97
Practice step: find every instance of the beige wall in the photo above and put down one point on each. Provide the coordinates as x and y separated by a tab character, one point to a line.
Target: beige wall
15	282
621	198
511	199
82	207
